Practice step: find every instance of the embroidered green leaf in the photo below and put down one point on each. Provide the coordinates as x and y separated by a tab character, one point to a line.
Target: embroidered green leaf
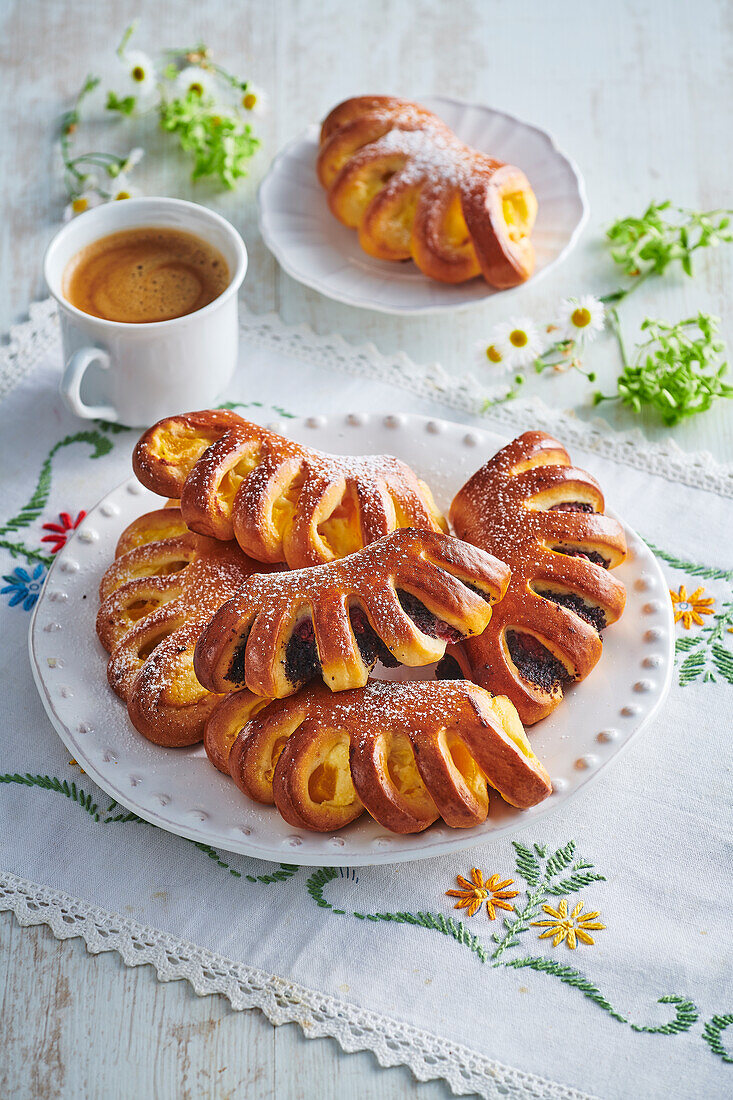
692	667
723	661
19	550
711	1035
569	976
31	511
51	783
709	572
541	850
686	1015
562	858
527	866
682	645
576	882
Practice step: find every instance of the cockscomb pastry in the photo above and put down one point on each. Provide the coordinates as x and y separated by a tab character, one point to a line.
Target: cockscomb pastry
400	599
407	752
396	173
156	597
281	501
544	517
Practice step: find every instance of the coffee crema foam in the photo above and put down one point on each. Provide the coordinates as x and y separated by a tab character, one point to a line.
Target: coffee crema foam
144	275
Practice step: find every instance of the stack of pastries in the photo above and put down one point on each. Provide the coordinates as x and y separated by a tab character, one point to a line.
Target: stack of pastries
250	611
399	176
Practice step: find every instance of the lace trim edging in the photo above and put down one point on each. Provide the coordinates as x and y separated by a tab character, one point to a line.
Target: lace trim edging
29	341
282	1001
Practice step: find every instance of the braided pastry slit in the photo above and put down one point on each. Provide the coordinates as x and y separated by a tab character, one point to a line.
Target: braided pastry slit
281	501
544	518
407	752
402	598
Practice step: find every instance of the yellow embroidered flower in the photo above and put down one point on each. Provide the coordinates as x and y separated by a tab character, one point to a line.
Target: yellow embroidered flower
473	894
570	928
690	608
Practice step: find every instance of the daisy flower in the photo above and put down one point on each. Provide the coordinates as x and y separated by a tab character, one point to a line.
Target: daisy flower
81	203
194	79
122	189
517	341
489	355
254	99
134	77
581	318
133	158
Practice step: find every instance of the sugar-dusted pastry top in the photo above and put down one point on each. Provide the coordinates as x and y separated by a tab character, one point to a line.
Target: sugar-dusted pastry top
408	753
400	599
544	517
281	501
396	173
156	597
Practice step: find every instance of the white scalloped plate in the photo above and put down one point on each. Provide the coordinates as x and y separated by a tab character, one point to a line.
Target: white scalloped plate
313	247
180	791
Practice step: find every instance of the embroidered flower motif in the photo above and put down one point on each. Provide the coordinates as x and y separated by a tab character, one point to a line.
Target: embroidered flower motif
60	531
569	928
473	894
24	587
581	319
689	609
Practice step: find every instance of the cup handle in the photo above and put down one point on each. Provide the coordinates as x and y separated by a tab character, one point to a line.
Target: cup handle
70	385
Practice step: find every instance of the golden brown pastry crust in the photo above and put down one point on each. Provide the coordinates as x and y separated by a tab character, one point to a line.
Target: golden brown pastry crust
280	500
396	173
521	506
156	598
336	619
407	752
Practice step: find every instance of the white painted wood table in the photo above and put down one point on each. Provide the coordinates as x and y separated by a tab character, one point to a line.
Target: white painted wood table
635	92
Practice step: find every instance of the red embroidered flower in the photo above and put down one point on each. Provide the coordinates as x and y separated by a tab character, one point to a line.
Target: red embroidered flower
60	531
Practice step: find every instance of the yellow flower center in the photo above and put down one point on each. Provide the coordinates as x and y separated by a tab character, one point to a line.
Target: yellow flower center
79	205
138	74
196	88
249	101
493	354
215	121
122	195
518	338
580	317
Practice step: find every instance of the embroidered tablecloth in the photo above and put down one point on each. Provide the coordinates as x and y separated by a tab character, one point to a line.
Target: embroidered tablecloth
592	958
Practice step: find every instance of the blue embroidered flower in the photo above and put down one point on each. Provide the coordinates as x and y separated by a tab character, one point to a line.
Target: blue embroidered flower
23	586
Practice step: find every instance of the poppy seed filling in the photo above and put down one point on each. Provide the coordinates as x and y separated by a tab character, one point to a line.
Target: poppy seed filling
535	662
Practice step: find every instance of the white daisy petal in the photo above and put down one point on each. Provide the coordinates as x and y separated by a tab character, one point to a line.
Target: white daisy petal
582	318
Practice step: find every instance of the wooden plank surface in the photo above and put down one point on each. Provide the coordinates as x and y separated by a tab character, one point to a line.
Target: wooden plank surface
636	91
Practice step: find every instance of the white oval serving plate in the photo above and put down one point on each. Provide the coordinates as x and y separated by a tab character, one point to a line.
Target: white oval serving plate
314	248
179	790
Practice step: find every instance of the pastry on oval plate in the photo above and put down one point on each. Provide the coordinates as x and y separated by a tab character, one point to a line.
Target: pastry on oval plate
544	517
400	599
280	501
156	597
407	752
396	173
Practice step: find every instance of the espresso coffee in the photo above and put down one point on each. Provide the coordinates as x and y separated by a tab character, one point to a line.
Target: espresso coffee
145	275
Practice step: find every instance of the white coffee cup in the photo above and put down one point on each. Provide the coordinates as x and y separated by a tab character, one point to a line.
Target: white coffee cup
138	373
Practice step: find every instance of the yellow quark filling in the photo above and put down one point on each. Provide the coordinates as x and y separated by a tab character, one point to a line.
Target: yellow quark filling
520	210
330	782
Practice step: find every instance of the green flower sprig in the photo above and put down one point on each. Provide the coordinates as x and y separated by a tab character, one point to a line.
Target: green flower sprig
199	101
677	370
